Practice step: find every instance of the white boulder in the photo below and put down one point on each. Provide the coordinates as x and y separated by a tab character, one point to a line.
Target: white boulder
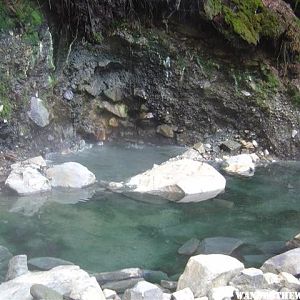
243	165
182	180
27	180
66	280
204	272
70	175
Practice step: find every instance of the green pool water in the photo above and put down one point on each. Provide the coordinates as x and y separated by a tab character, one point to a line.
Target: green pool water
106	231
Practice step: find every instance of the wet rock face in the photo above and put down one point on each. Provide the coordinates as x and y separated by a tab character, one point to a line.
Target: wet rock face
195	96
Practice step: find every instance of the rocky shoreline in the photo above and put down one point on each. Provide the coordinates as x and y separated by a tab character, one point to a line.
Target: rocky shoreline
206	277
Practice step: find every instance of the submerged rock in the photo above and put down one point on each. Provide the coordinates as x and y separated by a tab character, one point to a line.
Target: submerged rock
182	180
204	272
295	242
65	280
46	263
70	175
219	245
189	247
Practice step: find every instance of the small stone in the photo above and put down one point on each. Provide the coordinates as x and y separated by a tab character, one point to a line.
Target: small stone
144	291
114	94
122	285
255	144
266	152
119	275
109	294
207	147
295	242
119	110
189	247
294	133
199	147
219	245
245	93
185	294
140	93
42	292
17	266
113	122
230	146
68	95
165	130
170	285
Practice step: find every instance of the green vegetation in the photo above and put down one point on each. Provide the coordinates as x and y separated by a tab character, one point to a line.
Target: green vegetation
250	20
21	14
5	111
294	93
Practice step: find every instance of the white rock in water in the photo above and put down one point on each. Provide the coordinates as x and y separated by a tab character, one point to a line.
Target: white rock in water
34	162
182	180
242	165
204	272
70	280
38	113
27	180
70	175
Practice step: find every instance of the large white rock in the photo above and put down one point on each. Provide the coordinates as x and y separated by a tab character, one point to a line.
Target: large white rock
182	180
204	272
286	262
70	175
27	180
243	165
69	280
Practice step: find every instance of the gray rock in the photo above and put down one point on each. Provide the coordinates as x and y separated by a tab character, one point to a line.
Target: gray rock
119	110
5	256
170	285
165	130
46	263
68	95
42	292
230	146
185	294
272	281
223	203
119	275
154	276
286	262
295	242
219	245
271	247
249	280
143	291
204	272
290	281
38	113
114	94
189	247
17	266
70	175
122	285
